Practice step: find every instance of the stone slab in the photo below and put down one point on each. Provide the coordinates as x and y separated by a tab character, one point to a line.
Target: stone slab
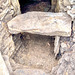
43	23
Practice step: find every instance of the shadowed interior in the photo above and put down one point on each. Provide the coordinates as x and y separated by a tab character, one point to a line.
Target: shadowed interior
35	5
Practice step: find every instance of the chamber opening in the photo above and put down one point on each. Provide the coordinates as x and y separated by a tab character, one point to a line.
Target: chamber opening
35	5
35	51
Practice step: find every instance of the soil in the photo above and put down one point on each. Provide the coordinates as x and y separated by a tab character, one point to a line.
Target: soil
35	51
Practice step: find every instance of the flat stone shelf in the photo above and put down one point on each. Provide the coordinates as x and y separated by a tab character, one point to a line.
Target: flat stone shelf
43	23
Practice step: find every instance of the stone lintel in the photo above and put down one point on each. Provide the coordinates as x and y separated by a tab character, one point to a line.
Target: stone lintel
42	23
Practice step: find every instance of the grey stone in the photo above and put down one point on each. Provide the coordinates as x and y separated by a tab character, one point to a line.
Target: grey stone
66	65
72	12
63	47
73	47
43	23
29	72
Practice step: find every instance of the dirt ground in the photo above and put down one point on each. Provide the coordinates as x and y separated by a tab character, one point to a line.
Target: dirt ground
35	51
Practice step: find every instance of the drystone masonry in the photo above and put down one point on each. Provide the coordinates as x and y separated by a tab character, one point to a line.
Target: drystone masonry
7	11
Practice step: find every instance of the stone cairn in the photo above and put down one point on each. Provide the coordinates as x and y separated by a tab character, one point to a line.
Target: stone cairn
61	25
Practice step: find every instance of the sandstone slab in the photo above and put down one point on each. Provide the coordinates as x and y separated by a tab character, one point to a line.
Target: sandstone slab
43	23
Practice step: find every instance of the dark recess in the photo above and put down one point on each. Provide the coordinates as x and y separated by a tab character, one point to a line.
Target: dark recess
24	4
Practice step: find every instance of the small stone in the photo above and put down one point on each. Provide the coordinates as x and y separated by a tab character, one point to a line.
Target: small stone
67	59
27	36
71	13
63	45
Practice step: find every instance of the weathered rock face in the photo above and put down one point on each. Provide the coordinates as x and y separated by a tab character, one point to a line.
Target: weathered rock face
66	4
8	8
66	65
6	42
41	23
3	68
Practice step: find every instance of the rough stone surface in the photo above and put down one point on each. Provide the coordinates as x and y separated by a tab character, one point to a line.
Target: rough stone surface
72	12
6	42
63	47
66	65
41	23
66	4
65	44
29	72
5	5
3	68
